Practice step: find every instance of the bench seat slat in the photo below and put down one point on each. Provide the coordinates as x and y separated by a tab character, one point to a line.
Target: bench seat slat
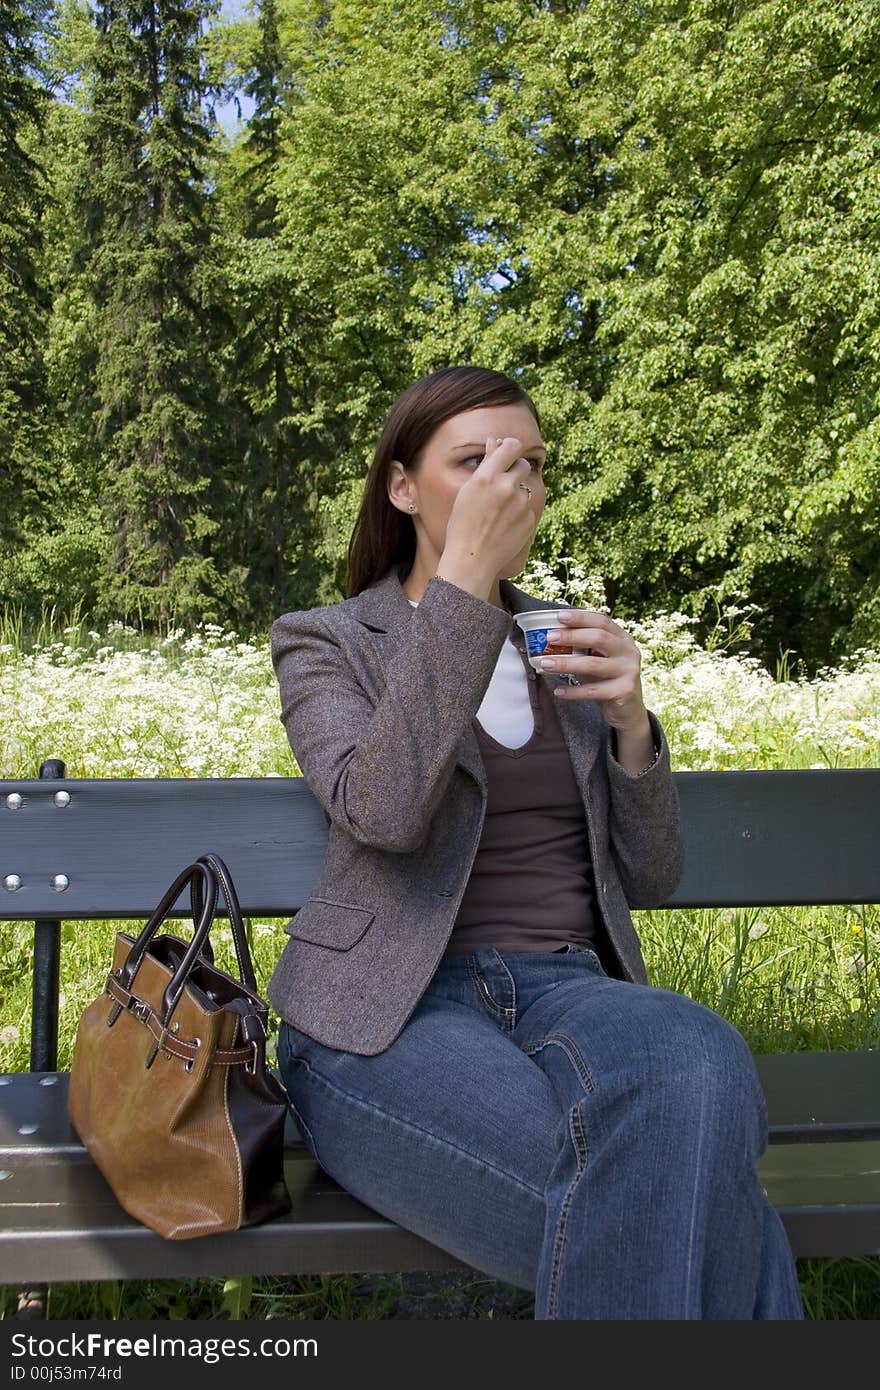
59	1220
828	1196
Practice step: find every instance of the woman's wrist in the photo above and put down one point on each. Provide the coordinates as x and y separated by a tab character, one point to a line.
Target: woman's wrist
635	749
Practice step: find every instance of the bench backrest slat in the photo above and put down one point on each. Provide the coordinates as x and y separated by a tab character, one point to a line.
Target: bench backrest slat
805	836
762	838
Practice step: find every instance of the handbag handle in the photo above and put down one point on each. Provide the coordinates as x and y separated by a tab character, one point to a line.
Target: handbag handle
210	871
133	960
239	936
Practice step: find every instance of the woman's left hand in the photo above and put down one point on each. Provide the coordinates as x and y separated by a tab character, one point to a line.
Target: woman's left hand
611	676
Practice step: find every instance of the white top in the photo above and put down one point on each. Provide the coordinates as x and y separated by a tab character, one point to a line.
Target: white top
506	711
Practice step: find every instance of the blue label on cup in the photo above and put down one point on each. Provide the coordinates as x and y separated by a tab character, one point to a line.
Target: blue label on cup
536	640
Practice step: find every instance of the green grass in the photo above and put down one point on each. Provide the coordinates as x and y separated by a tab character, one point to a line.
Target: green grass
309	1298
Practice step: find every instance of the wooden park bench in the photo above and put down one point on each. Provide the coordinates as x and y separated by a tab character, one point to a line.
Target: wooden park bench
79	850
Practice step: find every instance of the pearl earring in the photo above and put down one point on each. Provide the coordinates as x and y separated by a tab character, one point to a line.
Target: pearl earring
411	507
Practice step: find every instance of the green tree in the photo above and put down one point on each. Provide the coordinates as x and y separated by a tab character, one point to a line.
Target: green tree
735	447
24	302
147	385
660	215
267	372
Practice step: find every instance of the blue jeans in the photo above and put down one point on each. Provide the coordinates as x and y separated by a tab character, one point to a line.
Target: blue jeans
586	1138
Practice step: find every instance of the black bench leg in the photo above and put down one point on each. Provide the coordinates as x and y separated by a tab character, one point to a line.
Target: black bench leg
44	1031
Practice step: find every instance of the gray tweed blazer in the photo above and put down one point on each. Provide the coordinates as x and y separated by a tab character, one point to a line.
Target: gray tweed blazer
378	700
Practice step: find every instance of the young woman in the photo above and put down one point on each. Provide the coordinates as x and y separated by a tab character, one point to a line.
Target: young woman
469	1039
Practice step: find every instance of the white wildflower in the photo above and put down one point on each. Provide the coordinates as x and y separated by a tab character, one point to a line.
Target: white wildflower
207	704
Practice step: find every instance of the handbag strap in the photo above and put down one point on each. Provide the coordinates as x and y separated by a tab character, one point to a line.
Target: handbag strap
132	962
210	871
236	922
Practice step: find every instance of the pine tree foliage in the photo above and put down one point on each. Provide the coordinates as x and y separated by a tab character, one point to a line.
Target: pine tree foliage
148	396
24	302
280	465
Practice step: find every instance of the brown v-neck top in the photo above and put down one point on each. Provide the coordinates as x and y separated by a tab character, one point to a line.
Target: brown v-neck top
531	886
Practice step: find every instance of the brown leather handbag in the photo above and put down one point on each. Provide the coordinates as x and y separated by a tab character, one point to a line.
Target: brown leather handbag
169	1089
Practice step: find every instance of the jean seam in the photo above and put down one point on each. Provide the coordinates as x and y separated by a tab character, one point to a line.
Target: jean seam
408	1124
582	1153
581	1146
697	1179
572	1051
298	1117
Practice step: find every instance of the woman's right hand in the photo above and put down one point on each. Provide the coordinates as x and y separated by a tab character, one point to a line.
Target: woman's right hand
492	518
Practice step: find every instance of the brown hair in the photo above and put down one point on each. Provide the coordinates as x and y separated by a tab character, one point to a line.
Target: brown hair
382	534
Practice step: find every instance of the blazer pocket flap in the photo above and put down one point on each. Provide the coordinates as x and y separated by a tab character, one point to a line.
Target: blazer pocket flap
324	922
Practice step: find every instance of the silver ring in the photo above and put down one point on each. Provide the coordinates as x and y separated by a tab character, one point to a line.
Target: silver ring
526	489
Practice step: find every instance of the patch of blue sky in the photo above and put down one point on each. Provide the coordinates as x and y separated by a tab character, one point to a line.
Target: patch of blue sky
235	112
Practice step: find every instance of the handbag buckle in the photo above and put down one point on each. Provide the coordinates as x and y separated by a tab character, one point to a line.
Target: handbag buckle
140	1008
159	1045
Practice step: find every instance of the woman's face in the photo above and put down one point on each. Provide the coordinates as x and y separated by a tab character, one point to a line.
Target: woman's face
449	458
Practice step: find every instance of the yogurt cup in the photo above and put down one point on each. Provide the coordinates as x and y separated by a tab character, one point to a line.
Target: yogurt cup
535	624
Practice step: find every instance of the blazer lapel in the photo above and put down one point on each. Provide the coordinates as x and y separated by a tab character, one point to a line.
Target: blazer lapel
385	609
